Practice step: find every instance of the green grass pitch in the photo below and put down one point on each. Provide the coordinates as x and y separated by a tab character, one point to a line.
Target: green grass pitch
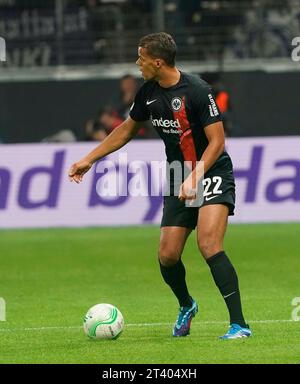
50	277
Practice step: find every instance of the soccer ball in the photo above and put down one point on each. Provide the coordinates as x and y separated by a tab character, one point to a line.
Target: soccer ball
103	321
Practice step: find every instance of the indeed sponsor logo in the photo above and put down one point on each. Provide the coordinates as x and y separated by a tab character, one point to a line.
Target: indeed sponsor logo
166	123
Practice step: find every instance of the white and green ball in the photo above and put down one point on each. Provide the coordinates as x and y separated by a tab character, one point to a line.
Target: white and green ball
103	321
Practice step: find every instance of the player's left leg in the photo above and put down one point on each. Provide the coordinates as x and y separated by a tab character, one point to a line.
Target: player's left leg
212	224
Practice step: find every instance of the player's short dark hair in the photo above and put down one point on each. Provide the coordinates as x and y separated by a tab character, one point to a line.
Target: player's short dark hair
160	45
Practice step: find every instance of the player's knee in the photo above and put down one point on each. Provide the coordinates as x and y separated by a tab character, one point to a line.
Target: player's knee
168	256
208	245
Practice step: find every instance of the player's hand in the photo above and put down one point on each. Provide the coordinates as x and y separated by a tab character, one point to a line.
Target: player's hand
78	170
188	190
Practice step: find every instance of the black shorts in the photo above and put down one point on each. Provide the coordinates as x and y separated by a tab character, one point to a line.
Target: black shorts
219	188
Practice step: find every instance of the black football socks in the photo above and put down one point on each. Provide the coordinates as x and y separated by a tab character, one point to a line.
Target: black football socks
174	276
226	280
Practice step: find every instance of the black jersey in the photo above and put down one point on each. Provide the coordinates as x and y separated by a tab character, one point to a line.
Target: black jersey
179	114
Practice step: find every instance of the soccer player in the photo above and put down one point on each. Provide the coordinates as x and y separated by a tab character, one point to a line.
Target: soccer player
186	117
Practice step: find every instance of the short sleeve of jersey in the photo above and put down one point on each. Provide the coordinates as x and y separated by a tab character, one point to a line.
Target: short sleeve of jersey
205	104
139	110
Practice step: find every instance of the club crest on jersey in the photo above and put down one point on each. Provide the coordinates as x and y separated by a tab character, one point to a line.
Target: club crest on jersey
176	103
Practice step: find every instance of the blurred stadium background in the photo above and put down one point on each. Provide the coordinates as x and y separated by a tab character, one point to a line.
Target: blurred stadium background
68	79
72	54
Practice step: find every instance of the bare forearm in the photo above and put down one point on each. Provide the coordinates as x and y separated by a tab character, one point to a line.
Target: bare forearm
209	157
190	186
119	137
216	145
116	140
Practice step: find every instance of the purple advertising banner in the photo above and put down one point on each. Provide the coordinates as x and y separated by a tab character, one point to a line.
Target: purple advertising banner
35	190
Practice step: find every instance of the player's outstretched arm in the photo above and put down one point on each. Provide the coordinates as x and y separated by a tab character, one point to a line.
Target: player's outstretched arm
116	140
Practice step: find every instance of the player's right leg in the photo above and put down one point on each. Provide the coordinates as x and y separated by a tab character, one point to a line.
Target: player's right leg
172	241
177	224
